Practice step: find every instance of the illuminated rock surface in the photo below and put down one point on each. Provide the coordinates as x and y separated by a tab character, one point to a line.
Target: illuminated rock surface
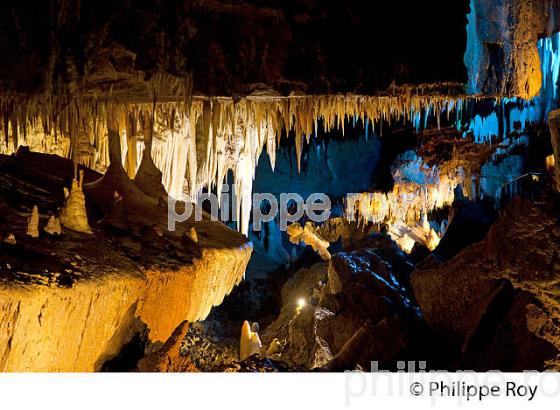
502	55
70	304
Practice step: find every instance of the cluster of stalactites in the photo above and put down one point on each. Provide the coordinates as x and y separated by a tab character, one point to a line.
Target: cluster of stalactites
405	209
197	142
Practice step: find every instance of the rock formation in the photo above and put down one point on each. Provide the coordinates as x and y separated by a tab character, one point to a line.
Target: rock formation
33	223
75	301
274	349
354	288
168	358
494	304
250	343
53	226
256	344
245	342
73	214
192	235
309	236
502	53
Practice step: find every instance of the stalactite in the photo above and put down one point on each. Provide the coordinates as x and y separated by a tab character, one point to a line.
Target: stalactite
115	154
230	135
405	209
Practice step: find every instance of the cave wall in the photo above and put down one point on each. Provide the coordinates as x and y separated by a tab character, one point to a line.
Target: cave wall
230	46
502	57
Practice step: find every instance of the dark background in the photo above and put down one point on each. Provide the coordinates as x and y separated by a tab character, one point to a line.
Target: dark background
313	46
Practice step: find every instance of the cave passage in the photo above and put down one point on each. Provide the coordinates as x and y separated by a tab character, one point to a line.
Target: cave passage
279	186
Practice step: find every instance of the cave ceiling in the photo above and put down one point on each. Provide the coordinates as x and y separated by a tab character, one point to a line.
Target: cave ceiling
228	48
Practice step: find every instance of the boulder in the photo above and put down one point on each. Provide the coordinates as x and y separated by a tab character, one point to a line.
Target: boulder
363	314
495	304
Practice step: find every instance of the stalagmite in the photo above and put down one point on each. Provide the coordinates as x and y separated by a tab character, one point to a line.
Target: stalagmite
53	226
256	344
274	350
245	342
432	240
74	215
250	343
33	223
148	178
10	239
192	235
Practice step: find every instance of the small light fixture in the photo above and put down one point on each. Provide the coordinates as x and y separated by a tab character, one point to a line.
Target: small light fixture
301	303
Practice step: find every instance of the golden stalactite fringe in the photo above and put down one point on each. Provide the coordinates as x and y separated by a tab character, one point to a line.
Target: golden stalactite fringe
197	140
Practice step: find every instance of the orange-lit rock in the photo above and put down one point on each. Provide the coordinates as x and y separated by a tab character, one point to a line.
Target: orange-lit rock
51	328
70	303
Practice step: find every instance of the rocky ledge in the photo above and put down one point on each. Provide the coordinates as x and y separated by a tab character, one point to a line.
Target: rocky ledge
71	302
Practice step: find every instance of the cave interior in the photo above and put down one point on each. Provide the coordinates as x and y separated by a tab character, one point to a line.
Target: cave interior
160	159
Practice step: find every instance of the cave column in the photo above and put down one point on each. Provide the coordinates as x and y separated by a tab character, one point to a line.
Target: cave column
130	161
149	177
115	154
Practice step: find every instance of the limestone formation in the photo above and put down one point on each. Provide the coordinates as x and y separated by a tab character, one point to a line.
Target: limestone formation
71	304
502	56
168	358
74	215
495	304
250	343
192	235
245	342
274	350
309	236
10	239
104	309
256	344
53	226
33	223
361	286
149	177
175	157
